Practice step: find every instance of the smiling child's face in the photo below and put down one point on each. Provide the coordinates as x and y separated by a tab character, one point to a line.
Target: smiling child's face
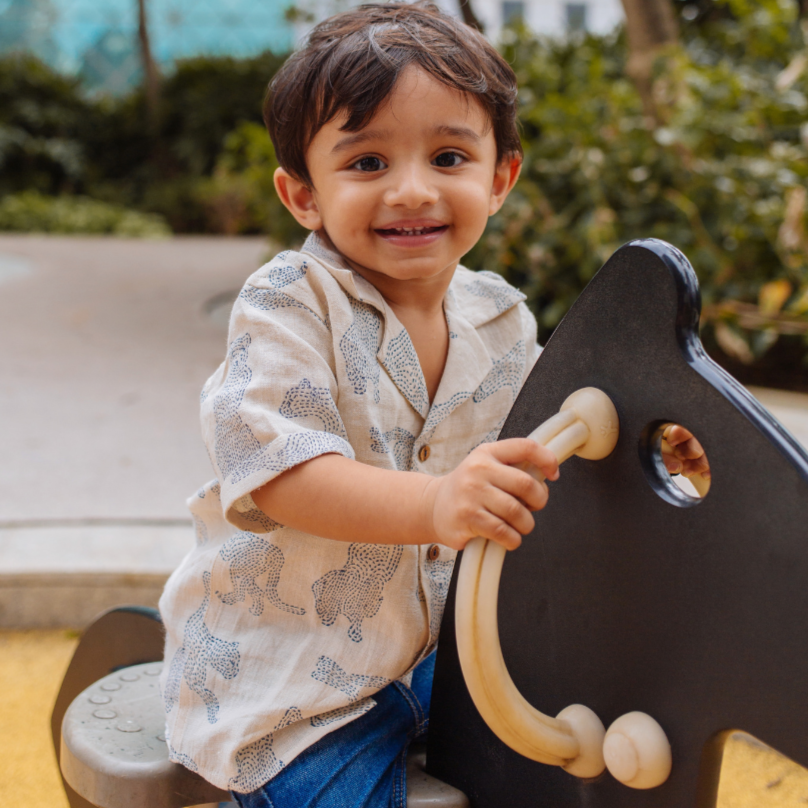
407	196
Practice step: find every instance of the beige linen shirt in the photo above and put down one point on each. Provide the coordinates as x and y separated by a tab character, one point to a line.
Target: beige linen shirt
275	637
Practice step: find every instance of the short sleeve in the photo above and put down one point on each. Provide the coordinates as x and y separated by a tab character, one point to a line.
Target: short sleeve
272	403
530	332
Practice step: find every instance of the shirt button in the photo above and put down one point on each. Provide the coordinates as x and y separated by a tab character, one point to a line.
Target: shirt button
433	552
424	452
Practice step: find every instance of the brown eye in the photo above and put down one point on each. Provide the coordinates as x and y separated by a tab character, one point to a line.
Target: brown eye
369	164
448	160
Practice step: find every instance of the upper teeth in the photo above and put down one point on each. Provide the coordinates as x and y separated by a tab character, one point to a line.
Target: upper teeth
412	229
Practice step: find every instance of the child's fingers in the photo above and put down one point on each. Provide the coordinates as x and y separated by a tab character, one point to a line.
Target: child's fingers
516	451
681	440
689	450
509	510
675	434
492	527
698	465
521	485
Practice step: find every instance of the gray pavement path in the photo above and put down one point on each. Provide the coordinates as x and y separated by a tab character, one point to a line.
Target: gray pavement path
104	346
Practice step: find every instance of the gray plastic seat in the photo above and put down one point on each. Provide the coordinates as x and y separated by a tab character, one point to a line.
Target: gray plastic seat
114	752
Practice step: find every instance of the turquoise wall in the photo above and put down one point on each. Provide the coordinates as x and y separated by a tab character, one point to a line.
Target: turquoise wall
98	38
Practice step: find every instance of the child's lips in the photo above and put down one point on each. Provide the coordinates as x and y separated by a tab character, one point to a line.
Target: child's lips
412	235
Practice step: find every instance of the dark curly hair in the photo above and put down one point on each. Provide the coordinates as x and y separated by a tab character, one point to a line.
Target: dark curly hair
351	62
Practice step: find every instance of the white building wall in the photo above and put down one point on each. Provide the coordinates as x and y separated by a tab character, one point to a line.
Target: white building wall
551	16
606	15
548	17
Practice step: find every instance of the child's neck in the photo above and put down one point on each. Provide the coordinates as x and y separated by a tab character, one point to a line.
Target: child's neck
418	304
429	333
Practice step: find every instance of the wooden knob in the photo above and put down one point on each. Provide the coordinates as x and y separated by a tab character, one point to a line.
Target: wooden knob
589	732
594	408
637	752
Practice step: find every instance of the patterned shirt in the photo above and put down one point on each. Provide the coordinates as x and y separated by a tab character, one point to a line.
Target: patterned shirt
275	637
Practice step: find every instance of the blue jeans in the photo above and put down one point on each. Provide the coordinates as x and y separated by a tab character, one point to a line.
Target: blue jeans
360	765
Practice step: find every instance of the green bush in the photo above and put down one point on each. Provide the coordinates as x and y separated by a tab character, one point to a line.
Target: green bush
42	126
31	212
240	196
723	178
55	140
202	101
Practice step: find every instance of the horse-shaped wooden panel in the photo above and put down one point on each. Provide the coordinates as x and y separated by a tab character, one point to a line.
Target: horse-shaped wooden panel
629	595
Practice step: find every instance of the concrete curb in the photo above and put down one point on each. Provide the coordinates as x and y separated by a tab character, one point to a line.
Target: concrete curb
63	575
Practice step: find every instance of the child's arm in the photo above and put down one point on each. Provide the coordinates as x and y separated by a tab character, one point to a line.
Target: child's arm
486	495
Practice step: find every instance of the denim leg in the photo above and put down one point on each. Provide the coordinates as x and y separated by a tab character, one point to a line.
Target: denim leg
352	767
360	765
422	688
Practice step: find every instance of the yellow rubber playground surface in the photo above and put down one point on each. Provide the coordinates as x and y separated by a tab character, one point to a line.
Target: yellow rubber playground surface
32	664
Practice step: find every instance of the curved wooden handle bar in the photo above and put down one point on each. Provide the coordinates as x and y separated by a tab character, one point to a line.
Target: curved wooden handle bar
587	425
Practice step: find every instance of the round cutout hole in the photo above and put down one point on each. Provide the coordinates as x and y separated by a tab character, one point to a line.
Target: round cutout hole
675	463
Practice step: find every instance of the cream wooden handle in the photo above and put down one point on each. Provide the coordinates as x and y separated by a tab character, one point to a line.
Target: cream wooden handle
637	751
587	425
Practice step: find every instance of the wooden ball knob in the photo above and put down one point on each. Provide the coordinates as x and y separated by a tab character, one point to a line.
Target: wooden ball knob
637	752
595	409
589	731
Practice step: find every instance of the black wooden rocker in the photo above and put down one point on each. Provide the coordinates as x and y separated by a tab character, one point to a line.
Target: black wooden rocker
675	619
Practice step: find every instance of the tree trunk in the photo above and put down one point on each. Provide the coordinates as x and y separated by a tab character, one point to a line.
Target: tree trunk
152	76
469	17
651	26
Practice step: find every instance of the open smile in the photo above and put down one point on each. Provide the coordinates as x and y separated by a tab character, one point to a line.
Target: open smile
415	235
410	231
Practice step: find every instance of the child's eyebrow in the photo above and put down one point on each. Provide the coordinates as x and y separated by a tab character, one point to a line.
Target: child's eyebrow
460	132
360	137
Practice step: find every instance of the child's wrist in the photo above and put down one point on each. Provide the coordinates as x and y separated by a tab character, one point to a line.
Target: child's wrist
426	511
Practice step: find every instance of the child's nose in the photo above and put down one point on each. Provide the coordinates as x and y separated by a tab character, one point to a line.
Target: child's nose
411	188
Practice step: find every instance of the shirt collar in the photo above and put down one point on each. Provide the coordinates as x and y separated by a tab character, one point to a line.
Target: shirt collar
481	296
473	299
352	282
396	353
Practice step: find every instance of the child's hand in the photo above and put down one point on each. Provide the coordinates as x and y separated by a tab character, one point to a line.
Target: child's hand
486	495
686	456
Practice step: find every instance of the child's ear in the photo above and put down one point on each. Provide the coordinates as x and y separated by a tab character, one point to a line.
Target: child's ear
505	176
299	199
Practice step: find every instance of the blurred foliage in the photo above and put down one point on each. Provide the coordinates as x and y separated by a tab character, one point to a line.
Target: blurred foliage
31	211
723	178
240	195
55	140
201	103
43	121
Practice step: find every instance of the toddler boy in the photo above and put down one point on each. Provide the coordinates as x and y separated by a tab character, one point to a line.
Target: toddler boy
351	425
